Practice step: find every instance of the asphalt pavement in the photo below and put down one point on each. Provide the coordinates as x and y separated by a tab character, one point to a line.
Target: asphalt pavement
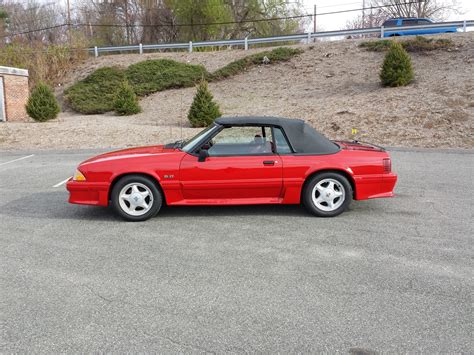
389	275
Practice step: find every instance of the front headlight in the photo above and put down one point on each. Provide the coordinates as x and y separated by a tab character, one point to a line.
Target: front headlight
78	176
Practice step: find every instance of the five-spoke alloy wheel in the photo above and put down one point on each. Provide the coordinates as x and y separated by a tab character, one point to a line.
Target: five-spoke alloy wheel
327	194
136	198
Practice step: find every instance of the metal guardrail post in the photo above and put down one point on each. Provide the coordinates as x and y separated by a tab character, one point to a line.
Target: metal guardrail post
246	43
140	48
96	51
190	46
308	41
464	26
382	32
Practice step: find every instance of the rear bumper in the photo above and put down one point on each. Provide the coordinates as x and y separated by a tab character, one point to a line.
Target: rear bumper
388	184
375	186
88	193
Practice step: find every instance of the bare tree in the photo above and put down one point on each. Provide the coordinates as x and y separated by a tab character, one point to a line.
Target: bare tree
158	22
36	21
102	21
435	9
244	11
372	18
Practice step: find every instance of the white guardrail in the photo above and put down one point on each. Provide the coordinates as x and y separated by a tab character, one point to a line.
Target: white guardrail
246	42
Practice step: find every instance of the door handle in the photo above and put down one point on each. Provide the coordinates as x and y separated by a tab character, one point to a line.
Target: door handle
268	162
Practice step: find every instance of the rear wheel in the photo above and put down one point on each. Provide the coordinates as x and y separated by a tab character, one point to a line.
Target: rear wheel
327	194
136	198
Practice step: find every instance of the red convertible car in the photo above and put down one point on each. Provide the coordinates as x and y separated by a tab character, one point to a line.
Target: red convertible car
237	161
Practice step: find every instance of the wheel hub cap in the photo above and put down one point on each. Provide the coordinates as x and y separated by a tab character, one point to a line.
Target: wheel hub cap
328	195
136	199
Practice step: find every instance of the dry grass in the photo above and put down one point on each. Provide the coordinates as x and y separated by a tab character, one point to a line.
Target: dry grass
48	64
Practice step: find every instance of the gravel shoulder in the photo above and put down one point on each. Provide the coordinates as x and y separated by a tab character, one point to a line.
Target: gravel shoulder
332	85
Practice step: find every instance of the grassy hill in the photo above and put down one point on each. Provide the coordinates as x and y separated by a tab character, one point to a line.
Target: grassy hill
333	85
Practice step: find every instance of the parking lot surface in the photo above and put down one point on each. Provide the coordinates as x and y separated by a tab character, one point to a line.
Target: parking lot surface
390	275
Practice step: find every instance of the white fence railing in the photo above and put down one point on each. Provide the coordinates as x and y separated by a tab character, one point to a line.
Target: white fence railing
246	42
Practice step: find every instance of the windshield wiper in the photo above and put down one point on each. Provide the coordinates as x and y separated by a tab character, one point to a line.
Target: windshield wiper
178	144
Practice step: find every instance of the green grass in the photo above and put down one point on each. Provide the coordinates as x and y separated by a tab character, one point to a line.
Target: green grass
417	44
96	93
151	76
281	54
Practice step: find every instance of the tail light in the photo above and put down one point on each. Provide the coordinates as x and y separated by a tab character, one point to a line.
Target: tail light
387	165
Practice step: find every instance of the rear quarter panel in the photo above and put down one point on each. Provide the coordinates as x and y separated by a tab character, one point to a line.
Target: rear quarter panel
363	168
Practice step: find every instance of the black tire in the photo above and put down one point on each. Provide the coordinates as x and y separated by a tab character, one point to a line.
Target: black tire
310	186
156	197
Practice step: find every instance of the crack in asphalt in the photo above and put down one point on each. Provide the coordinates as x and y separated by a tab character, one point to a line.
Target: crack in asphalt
186	345
109	300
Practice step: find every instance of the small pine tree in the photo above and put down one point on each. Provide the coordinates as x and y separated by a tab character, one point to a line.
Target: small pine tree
203	110
42	104
396	69
126	101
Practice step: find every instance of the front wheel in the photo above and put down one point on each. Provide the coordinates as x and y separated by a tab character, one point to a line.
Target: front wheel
136	198
327	194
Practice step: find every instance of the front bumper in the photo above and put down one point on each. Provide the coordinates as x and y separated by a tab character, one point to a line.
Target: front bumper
88	193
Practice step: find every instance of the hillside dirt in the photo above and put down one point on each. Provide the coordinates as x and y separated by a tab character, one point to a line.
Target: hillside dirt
332	85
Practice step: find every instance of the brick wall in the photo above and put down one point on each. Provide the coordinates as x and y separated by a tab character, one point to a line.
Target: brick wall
16	96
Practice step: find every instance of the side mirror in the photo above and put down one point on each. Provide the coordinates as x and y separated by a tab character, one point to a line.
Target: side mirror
203	154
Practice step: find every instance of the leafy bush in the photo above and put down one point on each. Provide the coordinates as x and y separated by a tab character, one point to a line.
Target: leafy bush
281	54
96	93
126	102
203	110
42	104
418	44
396	69
151	76
423	44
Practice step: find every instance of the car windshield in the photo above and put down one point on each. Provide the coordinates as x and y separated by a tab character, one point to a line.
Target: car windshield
190	144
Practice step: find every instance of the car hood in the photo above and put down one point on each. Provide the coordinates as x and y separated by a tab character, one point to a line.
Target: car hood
130	153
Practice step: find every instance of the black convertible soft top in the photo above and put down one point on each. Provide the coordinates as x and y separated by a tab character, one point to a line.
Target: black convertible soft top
302	137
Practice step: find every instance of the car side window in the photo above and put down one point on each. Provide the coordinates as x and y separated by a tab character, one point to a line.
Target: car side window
390	23
282	146
410	22
423	22
252	140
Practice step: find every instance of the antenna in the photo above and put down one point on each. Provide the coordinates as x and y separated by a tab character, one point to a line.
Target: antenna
181	116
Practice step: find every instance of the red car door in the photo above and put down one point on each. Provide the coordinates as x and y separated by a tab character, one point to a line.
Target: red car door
241	169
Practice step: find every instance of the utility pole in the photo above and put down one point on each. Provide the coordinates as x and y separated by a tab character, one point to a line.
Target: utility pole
371	19
314	22
69	35
363	13
314	19
127	22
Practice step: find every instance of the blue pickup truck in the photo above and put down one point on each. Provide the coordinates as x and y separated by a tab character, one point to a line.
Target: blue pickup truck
392	27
